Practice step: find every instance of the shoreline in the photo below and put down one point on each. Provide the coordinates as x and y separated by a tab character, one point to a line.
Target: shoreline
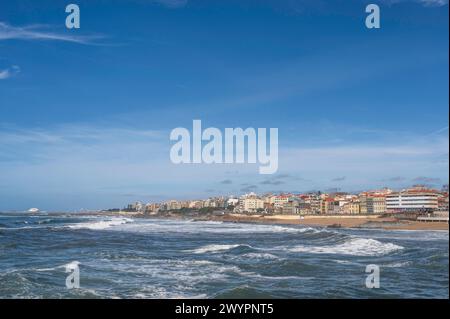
355	222
328	221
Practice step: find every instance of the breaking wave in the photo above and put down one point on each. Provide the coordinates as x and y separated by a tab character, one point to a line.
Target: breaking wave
215	248
353	246
103	224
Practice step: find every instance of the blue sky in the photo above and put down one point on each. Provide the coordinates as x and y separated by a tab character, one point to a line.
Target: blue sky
85	115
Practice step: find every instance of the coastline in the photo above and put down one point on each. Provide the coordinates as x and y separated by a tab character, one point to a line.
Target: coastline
341	222
331	221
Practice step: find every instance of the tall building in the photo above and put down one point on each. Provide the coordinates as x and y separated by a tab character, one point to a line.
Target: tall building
292	206
376	205
443	202
329	206
315	203
280	200
372	204
417	198
252	204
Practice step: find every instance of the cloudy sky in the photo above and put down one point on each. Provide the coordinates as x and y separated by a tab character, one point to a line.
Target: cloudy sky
85	115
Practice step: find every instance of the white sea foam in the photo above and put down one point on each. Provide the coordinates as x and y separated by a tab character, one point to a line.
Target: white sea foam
411	235
397	264
103	224
183	275
354	247
185	226
19	228
162	293
346	262
213	248
49	269
259	276
259	256
72	265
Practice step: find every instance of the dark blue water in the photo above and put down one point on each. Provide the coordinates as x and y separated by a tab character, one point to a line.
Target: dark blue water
154	258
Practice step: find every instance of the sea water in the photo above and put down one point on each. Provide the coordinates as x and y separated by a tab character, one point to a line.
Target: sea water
159	258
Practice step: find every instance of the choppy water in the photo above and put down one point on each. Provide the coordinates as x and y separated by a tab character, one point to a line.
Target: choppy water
151	258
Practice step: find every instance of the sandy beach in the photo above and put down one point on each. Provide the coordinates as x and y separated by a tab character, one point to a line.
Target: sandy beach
339	221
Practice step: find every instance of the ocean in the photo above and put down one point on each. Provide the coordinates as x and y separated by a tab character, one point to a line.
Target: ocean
159	258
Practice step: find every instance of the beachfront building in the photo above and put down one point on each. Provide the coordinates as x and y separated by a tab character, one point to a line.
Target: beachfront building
323	208
209	203
377	205
372	204
269	200
252	204
173	205
329	206
344	199
304	208
232	202
443	202
314	202
294	205
417	198
351	208
290	207
135	207
215	202
280	200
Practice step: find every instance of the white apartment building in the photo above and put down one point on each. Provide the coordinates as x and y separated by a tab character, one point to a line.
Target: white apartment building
252	204
279	201
232	201
411	201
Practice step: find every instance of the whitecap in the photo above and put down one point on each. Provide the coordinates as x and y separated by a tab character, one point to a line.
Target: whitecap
397	264
259	256
213	248
103	224
354	247
188	226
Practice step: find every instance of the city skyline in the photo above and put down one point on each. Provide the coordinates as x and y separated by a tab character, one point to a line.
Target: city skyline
330	193
417	199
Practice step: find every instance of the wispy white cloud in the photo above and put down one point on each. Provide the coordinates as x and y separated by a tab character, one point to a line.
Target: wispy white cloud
425	3
4	74
9	72
434	3
40	32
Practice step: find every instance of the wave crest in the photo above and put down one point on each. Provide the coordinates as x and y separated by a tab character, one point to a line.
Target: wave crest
215	248
354	247
103	224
